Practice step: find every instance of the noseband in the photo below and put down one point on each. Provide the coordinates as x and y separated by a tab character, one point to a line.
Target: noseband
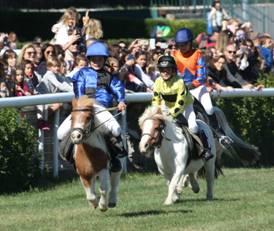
159	137
86	131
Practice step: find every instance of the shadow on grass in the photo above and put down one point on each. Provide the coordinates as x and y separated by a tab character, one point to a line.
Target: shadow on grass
205	200
152	213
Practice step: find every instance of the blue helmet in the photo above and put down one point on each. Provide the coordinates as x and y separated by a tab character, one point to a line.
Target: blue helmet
97	49
183	35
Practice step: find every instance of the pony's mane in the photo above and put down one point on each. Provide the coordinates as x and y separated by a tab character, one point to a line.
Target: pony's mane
151	112
84	101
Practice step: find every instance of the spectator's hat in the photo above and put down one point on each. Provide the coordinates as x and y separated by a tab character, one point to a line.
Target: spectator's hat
264	35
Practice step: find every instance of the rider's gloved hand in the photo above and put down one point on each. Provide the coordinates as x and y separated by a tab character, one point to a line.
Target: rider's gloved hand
121	106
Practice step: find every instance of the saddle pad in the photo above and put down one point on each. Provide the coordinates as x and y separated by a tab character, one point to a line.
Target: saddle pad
191	142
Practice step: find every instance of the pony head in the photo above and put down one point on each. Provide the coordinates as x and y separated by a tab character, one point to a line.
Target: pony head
151	123
81	118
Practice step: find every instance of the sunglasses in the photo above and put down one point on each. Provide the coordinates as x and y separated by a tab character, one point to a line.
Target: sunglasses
31	53
230	52
48	52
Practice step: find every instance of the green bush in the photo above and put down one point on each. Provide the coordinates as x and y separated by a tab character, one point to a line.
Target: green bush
18	159
252	118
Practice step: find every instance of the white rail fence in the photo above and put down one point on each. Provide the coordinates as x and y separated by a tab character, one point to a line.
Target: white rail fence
130	98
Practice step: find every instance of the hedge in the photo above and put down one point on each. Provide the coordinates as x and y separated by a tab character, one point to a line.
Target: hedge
197	26
19	163
252	118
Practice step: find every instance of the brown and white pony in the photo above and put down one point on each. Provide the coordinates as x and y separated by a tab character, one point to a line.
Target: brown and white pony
90	154
172	155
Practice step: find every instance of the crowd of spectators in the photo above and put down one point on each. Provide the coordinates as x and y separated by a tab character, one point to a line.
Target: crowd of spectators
235	56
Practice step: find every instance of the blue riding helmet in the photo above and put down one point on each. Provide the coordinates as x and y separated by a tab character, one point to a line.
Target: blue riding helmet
183	35
97	49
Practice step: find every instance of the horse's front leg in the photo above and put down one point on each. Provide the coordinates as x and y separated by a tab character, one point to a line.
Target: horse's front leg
173	196
104	189
114	184
89	187
183	183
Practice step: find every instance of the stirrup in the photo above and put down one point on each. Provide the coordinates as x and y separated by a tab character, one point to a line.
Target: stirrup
116	143
207	155
225	141
120	149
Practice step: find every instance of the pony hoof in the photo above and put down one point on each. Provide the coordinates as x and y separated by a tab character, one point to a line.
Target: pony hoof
93	203
168	202
103	208
195	190
111	205
209	198
179	191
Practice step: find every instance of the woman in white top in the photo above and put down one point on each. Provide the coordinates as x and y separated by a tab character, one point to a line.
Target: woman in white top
139	70
65	27
216	16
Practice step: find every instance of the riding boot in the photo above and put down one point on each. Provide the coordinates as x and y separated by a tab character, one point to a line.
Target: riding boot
118	146
224	140
206	154
66	148
117	150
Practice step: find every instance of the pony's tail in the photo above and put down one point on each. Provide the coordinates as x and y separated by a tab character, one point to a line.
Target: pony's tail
248	154
217	173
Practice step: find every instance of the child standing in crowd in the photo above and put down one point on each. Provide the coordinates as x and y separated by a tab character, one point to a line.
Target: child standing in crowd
30	77
52	82
9	59
80	62
21	86
140	70
4	91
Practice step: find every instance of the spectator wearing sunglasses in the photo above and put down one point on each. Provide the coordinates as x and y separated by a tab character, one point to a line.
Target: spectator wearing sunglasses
28	52
48	51
234	77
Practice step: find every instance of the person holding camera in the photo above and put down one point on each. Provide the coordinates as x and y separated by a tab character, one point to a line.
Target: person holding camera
65	30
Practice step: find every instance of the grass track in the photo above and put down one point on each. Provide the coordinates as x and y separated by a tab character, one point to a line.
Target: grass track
244	200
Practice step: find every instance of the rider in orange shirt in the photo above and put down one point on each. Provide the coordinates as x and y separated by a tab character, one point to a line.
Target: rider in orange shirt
192	68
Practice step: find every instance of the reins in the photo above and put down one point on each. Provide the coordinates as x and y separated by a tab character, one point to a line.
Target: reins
86	131
160	130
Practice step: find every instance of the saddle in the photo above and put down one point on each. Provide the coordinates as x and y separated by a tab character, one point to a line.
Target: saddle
194	143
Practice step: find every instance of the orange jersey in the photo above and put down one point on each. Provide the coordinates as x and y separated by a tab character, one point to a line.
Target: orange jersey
191	67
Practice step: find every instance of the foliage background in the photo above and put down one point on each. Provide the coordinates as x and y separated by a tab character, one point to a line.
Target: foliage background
18	152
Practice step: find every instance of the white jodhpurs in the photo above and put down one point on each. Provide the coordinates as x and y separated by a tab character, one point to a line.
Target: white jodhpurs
202	95
190	116
103	119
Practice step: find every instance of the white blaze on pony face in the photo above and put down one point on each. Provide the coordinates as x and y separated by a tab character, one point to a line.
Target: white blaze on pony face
148	129
78	126
80	119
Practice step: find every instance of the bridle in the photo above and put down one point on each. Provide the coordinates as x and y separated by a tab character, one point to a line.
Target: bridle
90	126
87	129
156	138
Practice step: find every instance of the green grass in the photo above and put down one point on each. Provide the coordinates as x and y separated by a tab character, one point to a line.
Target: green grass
244	200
